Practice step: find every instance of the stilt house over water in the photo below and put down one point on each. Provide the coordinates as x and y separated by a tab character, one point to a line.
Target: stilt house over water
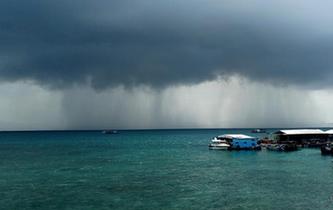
330	135
315	137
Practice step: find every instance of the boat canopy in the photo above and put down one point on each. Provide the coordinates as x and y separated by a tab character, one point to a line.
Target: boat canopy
236	136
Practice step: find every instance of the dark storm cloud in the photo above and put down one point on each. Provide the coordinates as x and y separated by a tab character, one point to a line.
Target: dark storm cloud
160	43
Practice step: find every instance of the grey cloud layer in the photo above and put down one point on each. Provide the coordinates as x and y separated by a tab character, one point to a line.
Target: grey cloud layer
160	43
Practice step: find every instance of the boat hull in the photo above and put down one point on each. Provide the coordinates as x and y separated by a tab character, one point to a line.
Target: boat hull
219	146
282	147
326	151
258	147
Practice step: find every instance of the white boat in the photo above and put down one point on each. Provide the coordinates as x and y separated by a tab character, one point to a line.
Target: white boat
219	144
235	142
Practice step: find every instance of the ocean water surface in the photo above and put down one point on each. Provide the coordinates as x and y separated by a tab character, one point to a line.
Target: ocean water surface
156	169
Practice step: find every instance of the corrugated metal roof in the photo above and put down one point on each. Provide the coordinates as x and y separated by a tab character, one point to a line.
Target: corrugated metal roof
302	131
329	131
236	136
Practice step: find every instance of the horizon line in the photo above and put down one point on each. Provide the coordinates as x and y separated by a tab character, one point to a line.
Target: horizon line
152	129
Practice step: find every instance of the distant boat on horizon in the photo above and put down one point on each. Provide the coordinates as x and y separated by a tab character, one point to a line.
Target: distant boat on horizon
110	132
258	130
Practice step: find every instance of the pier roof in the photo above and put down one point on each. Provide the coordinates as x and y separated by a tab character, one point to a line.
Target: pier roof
329	131
301	131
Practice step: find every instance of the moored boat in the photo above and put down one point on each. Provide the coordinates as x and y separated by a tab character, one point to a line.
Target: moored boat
285	147
219	144
236	142
327	149
258	130
265	142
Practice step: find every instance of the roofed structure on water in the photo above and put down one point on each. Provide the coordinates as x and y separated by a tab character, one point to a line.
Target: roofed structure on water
300	131
302	136
330	132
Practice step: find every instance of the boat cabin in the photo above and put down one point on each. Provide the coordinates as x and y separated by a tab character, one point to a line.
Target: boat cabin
240	141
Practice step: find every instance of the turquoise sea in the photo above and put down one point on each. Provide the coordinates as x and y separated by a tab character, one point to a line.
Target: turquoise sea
156	169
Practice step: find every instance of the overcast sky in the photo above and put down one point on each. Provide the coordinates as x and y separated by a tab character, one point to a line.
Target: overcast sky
83	64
